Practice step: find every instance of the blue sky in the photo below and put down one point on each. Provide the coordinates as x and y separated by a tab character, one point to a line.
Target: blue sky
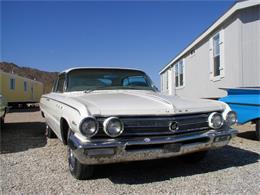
53	36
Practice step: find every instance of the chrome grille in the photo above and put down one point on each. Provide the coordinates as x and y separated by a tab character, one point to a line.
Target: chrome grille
158	125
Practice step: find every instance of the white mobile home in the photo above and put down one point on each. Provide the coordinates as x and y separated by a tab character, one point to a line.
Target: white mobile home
227	54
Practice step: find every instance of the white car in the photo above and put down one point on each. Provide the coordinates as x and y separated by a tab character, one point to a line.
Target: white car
3	109
111	115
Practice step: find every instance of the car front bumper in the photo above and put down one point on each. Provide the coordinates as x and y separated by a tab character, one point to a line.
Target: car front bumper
105	151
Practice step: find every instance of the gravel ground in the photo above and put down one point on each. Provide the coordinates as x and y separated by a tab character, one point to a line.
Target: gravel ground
30	164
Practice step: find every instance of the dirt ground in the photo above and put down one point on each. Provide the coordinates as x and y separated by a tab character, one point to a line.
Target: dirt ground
31	164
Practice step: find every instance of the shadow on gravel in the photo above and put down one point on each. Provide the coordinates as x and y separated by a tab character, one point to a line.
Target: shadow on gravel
29	109
17	137
251	135
165	169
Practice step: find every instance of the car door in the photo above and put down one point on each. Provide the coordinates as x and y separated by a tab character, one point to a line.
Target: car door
47	105
55	105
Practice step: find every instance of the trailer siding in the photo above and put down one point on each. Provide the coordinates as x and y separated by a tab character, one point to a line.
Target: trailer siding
19	94
240	58
250	35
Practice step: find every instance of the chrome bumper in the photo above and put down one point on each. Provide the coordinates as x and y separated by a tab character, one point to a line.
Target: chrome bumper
134	149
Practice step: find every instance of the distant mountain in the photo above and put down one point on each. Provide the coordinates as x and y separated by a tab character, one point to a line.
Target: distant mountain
47	78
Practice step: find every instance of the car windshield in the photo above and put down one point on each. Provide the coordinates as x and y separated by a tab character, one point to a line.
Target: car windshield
108	79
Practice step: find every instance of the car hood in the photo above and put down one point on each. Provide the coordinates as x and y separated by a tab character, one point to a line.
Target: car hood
134	102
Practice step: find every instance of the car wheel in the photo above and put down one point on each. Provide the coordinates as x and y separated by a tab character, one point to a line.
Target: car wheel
194	157
49	132
2	121
257	129
77	169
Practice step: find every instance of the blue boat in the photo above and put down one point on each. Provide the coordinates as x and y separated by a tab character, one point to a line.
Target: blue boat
246	103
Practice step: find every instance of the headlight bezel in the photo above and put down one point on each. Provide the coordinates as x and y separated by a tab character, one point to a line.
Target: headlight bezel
211	123
228	121
106	123
96	127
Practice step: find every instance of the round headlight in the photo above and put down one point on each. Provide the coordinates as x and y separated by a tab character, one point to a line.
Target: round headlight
231	118
89	127
113	126
215	120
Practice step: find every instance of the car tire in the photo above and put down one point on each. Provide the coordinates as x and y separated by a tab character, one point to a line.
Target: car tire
49	132
194	157
78	170
2	121
257	129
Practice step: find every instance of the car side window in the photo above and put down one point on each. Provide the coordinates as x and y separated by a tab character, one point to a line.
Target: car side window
60	84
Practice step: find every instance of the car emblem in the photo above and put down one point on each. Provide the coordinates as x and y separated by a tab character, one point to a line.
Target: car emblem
147	139
173	126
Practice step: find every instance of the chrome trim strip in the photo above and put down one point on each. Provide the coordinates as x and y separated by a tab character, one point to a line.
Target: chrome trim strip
166	115
242	104
62	103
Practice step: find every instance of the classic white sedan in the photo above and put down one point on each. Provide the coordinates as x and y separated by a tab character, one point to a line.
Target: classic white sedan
110	115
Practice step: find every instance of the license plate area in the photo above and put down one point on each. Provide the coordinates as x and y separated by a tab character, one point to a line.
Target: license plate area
141	147
175	147
222	138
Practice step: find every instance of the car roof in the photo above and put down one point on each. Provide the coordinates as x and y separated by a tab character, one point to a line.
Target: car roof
101	68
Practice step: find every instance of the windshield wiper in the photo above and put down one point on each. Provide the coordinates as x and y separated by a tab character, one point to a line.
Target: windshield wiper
116	87
97	88
137	88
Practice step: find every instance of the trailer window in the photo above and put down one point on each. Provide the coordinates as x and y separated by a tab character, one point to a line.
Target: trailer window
167	80
25	86
179	74
216	55
12	83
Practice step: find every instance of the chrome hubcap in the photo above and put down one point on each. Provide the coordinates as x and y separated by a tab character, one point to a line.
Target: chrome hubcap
47	130
71	159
